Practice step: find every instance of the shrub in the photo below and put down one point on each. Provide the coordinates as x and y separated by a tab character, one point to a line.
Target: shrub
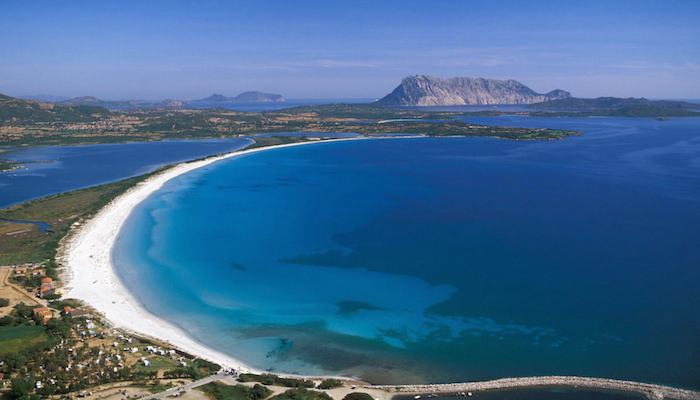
357	396
330	383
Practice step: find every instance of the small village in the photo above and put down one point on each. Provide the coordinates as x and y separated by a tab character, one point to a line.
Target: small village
64	350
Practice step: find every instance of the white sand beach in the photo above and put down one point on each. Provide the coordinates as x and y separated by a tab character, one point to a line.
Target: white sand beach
90	277
87	256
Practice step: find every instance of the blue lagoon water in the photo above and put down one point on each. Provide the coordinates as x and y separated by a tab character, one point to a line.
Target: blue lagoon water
56	169
446	259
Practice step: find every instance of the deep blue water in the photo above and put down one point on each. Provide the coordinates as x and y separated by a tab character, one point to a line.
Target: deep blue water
76	167
438	259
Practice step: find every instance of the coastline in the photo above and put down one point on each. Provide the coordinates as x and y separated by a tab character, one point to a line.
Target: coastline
86	256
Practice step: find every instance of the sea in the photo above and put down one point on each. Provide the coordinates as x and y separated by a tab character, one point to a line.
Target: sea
413	260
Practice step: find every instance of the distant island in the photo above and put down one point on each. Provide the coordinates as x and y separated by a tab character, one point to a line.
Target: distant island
94	101
245	97
424	90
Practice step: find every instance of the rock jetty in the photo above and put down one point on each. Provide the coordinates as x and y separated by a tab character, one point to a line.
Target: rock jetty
651	391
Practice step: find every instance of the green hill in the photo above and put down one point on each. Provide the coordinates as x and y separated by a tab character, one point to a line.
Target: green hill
20	111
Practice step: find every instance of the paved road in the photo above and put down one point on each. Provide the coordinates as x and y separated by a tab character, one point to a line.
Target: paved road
190	386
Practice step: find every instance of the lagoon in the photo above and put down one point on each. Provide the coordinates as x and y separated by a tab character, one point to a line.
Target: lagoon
56	169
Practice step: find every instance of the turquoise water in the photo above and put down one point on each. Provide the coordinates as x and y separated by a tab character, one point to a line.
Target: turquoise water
416	259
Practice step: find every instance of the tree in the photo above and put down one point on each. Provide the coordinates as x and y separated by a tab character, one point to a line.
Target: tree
330	383
20	388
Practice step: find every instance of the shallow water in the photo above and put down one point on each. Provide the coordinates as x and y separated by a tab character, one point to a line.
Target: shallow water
413	260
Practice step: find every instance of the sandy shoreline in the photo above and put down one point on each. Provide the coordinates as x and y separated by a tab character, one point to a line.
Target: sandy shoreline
86	254
90	277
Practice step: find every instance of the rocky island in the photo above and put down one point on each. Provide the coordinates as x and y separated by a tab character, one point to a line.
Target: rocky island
424	90
245	97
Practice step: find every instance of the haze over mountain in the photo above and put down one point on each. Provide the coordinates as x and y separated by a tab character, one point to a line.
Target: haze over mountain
94	101
245	97
425	90
14	110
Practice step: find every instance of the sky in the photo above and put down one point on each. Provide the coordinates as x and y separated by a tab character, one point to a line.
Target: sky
345	49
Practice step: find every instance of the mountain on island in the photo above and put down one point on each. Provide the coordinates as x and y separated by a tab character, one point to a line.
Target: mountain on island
610	103
245	97
94	101
424	90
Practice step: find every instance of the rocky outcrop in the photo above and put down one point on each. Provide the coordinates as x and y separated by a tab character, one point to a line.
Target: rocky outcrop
423	90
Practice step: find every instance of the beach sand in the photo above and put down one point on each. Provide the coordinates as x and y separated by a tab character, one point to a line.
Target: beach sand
89	276
86	255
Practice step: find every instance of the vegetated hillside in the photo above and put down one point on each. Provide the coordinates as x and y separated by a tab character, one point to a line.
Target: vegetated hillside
345	110
20	111
94	101
423	90
611	103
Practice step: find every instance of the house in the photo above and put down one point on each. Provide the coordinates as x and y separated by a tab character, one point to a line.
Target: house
44	312
67	310
46	280
38	272
40	310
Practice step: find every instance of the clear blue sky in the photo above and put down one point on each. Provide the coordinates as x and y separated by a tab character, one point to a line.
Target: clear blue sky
343	49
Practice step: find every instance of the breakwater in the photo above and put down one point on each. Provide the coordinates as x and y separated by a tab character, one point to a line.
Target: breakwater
651	391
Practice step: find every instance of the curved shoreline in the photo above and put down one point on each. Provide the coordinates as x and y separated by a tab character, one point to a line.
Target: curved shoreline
87	255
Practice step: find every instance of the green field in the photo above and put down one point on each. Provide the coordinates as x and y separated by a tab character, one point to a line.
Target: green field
17	338
59	211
